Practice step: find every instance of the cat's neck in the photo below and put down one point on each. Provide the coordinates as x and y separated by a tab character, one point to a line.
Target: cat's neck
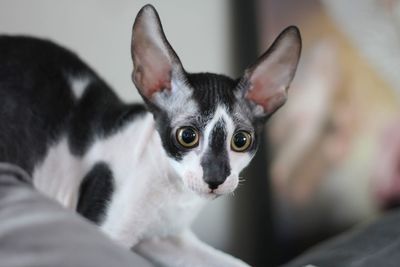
132	150
151	198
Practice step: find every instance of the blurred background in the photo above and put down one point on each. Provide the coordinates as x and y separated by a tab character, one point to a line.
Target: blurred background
331	156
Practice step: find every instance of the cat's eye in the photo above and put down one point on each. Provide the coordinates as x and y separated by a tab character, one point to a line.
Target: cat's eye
241	141
187	136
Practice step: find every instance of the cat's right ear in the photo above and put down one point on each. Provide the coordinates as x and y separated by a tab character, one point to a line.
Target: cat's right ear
155	63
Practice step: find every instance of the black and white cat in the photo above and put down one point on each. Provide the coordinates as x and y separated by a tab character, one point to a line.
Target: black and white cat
141	173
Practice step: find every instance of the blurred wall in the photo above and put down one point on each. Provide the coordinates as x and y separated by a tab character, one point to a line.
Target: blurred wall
100	32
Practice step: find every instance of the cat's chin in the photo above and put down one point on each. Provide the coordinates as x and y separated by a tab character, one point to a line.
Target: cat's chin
203	192
209	195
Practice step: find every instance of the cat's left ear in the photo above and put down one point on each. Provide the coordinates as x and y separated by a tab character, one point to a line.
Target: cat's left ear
154	61
267	81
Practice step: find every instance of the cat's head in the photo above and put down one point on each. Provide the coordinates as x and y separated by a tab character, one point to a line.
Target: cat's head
209	124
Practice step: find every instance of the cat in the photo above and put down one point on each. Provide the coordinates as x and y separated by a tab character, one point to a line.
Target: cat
140	172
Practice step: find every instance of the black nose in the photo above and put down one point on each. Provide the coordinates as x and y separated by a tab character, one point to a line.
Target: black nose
213	184
215	168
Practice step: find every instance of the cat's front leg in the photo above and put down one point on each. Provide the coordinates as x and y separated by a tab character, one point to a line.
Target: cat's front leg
184	250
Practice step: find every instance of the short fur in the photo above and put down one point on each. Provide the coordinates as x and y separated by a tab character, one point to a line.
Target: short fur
121	165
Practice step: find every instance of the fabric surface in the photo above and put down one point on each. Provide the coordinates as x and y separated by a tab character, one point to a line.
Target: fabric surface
374	245
37	232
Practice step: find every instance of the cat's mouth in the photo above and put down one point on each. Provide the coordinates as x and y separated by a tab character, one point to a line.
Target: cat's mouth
202	190
205	192
211	194
198	186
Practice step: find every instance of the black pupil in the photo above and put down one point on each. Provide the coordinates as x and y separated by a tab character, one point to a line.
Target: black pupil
188	136
240	140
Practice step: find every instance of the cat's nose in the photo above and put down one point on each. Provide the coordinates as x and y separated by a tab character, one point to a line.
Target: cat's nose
215	170
213	184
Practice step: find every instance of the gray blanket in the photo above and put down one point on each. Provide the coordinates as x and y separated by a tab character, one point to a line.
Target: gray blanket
36	231
372	245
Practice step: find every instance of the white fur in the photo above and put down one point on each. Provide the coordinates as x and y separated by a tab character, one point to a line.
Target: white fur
178	102
60	174
150	200
78	85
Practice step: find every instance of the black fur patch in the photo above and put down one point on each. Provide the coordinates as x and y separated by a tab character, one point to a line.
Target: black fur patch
168	137
95	192
210	89
215	162
35	99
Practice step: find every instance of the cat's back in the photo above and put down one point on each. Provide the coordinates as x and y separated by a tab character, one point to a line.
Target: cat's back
37	75
40	83
28	65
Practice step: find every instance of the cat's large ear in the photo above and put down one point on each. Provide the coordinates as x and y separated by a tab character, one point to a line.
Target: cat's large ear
154	61
267	81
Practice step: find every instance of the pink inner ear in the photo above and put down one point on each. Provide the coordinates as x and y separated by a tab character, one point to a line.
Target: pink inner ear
150	86
153	58
271	76
270	79
266	93
153	72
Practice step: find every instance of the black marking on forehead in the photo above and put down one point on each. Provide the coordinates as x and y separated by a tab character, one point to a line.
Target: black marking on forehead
210	89
215	162
218	136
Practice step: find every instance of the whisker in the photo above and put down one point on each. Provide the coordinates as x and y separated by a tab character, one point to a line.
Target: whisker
241	180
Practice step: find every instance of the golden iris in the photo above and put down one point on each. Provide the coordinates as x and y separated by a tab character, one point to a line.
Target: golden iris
241	141
187	136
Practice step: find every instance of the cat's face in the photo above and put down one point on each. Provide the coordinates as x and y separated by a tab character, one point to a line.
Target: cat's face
209	123
208	131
